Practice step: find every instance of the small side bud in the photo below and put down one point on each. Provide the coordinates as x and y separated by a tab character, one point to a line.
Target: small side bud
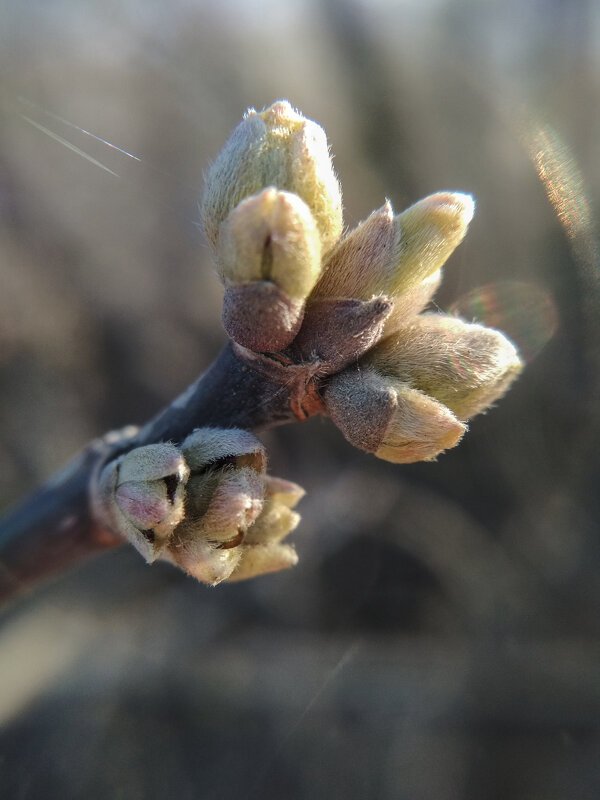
389	418
141	496
464	366
269	257
338	331
207	506
275	147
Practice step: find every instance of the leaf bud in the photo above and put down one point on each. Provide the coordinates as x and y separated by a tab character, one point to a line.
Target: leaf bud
398	256
263	558
275	147
269	257
389	418
207	506
464	366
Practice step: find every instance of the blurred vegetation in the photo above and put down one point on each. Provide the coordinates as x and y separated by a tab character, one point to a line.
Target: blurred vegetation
440	638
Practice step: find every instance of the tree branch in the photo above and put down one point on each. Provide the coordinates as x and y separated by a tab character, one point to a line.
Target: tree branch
317	323
54	527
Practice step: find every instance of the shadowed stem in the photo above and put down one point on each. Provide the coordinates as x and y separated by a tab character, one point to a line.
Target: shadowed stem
54	527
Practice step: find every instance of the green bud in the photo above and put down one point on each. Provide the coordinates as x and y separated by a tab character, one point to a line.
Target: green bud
269	256
431	230
398	256
271	236
281	148
464	366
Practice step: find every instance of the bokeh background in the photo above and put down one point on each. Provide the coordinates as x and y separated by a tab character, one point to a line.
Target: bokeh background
440	638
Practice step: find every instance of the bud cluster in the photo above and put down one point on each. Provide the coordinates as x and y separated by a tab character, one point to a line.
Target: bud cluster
206	505
337	322
398	383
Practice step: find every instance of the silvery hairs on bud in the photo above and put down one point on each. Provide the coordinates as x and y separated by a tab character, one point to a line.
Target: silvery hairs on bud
269	259
334	324
194	505
276	147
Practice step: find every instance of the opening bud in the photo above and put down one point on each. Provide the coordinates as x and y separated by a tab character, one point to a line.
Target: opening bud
207	506
220	507
275	147
262	550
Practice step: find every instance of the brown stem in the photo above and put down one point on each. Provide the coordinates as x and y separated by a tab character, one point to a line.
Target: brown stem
54	528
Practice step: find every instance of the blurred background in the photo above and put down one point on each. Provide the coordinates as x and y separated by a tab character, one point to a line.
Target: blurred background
440	637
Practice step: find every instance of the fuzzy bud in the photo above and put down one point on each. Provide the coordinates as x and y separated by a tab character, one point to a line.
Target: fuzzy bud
464	366
263	551
206	446
389	418
141	495
269	257
207	545
275	147
398	256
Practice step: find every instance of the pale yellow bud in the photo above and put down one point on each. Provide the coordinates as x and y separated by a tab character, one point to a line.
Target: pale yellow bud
284	492
420	428
281	148
262	548
465	366
398	257
388	418
263	558
273	524
430	230
271	236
